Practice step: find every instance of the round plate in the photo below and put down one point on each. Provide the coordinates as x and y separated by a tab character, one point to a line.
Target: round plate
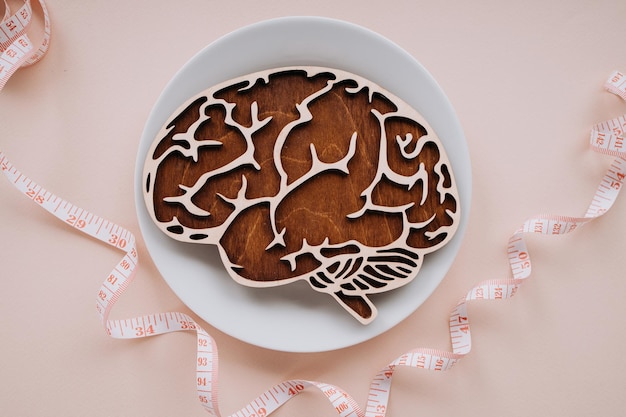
293	317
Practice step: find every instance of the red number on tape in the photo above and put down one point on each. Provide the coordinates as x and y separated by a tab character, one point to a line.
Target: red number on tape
378	397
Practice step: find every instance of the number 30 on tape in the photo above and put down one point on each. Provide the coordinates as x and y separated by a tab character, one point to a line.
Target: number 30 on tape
607	137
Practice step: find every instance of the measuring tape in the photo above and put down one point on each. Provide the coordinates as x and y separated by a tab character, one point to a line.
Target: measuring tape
16	49
607	137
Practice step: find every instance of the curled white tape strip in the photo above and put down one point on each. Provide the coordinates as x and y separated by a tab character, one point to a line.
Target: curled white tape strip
155	324
16	49
607	137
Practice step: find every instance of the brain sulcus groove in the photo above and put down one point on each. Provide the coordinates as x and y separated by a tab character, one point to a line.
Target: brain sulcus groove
305	173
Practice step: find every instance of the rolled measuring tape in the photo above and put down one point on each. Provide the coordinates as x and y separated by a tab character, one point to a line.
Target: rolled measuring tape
607	137
16	48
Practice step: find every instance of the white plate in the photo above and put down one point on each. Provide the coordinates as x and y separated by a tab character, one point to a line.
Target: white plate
294	317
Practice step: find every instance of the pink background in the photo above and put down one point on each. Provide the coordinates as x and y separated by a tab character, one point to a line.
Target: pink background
526	81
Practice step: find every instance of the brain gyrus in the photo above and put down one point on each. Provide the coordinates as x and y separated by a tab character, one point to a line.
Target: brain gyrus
309	174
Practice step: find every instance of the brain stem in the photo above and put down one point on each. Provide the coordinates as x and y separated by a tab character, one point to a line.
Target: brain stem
314	181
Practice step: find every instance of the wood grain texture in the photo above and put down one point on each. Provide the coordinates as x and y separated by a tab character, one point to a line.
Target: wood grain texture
305	173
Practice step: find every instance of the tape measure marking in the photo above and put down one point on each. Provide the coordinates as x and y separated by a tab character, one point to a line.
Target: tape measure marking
16	49
612	136
607	137
616	84
151	325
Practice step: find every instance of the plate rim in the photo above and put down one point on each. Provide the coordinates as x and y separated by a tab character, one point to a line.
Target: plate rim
158	112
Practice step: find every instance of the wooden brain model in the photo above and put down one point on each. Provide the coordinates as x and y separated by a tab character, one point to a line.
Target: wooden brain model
309	174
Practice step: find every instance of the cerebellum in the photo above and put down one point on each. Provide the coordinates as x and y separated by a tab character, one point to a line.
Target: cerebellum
309	174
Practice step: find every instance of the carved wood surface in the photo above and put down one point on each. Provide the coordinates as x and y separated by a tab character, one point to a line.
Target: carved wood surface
305	173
